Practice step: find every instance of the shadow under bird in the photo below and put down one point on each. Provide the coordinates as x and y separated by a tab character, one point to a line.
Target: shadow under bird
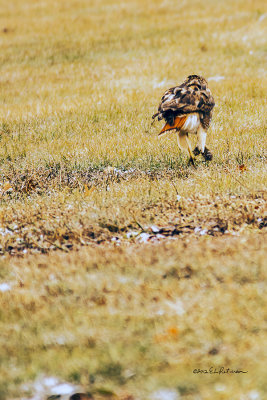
187	108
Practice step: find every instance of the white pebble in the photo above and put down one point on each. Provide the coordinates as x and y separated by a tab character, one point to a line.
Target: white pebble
4	287
64	388
254	395
165	394
154	229
143	237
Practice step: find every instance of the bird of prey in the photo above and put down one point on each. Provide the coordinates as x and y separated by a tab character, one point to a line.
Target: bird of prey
187	108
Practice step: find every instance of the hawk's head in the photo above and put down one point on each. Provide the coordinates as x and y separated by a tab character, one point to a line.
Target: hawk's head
196	80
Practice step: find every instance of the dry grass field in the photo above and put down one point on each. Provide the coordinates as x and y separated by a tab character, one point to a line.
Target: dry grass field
123	269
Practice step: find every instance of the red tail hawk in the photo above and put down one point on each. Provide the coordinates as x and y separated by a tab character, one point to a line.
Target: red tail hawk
187	108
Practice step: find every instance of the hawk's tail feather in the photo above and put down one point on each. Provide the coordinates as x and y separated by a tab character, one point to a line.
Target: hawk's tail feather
178	124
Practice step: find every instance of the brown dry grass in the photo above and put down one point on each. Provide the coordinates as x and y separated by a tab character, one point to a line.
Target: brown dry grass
138	318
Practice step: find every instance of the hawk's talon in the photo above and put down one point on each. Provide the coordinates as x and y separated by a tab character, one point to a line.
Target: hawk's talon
207	154
196	152
191	161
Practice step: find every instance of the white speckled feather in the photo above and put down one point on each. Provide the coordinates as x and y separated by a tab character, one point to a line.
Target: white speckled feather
192	123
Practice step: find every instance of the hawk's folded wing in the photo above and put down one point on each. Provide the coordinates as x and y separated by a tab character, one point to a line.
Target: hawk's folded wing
183	100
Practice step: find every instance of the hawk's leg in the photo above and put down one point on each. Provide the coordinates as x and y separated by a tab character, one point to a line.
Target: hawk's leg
201	145
184	143
201	140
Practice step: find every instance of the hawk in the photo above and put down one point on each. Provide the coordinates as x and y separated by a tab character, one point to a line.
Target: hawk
187	108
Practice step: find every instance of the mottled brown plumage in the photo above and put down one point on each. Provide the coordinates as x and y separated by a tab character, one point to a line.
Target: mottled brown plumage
187	108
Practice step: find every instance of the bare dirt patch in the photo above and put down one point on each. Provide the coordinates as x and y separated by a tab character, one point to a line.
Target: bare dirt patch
42	227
